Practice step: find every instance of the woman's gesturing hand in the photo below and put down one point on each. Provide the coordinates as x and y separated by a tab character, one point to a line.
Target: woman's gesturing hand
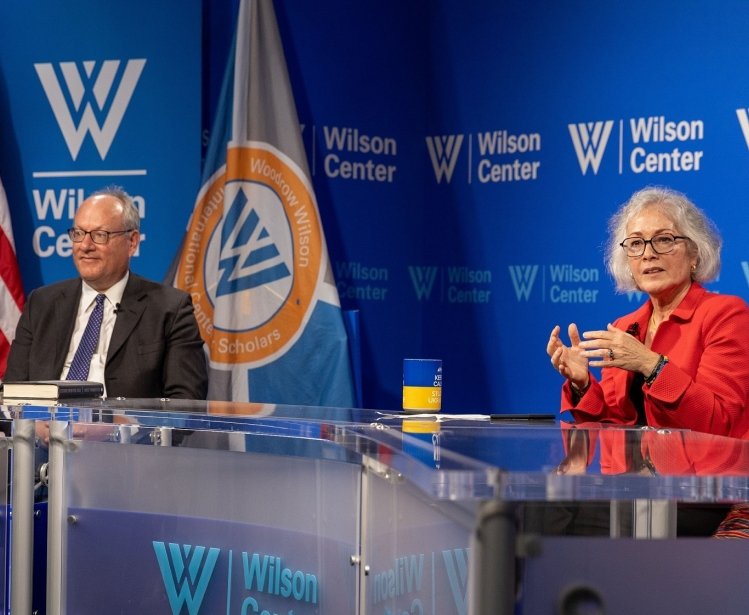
570	361
616	348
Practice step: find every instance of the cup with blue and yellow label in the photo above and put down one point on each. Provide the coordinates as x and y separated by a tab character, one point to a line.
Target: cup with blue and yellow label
422	385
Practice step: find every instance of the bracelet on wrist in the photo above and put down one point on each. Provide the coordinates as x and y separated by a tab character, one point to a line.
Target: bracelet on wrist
662	360
577	390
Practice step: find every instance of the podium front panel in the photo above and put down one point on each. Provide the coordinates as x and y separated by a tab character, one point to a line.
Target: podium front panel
289	509
159	529
415	543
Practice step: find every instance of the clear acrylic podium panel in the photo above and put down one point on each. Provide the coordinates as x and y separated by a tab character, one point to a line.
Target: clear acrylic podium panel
522	462
301	498
514	461
253	514
603	478
416	551
218	531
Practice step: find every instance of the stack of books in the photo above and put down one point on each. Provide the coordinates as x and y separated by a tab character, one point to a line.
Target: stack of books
47	392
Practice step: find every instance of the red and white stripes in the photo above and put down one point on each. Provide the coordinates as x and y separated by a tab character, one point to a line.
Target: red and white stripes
11	288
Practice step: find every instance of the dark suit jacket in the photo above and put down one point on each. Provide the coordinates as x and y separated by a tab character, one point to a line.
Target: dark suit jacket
155	350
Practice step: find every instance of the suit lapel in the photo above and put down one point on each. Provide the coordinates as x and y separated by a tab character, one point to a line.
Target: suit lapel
128	314
65	312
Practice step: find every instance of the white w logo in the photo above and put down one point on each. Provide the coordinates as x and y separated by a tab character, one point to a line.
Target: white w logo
184	568
444	154
745	268
523	278
590	142
88	97
744	122
423	280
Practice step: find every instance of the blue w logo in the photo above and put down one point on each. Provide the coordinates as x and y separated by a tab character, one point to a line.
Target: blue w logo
249	258
422	279
523	277
185	573
456	565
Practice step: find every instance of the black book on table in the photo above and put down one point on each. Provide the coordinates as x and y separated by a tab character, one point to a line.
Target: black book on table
53	389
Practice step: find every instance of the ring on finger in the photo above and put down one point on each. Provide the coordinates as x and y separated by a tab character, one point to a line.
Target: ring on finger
611	354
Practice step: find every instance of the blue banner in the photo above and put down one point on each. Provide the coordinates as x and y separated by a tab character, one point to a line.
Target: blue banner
99	95
465	157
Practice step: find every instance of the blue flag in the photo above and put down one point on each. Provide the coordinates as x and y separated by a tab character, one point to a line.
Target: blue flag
254	257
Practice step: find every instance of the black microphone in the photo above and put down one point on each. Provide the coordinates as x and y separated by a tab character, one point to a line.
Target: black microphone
116	308
633	329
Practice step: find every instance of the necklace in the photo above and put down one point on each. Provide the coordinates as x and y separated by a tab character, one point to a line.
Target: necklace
652	330
654	324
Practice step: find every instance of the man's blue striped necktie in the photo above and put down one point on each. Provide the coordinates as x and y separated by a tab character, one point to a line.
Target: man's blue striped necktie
82	359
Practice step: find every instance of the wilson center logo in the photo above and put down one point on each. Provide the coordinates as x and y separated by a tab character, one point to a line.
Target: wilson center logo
590	140
423	279
743	117
523	278
456	566
99	91
186	572
444	151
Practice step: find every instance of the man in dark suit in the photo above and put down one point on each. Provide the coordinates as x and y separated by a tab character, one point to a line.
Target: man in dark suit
149	344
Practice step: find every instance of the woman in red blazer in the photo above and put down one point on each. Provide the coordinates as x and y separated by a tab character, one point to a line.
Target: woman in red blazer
682	359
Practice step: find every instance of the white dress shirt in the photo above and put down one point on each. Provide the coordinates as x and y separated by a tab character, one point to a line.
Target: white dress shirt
86	306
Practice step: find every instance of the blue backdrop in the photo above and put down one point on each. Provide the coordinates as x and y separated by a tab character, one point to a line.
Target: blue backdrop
466	156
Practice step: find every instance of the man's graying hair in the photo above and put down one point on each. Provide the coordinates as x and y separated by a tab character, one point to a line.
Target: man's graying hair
130	214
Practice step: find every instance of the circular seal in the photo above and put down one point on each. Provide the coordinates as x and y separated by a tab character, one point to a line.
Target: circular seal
252	256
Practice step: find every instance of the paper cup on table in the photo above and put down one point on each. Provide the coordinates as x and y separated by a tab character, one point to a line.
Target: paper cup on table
422	385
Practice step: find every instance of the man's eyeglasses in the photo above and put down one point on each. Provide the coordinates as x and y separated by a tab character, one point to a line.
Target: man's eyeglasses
100	237
661	244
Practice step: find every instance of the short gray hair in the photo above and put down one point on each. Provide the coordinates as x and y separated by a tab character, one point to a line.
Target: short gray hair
688	219
130	213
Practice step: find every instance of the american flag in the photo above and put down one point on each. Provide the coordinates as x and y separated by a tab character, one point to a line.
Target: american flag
11	289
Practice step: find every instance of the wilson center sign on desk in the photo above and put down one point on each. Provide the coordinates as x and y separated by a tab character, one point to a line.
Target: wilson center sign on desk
283	510
169	506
